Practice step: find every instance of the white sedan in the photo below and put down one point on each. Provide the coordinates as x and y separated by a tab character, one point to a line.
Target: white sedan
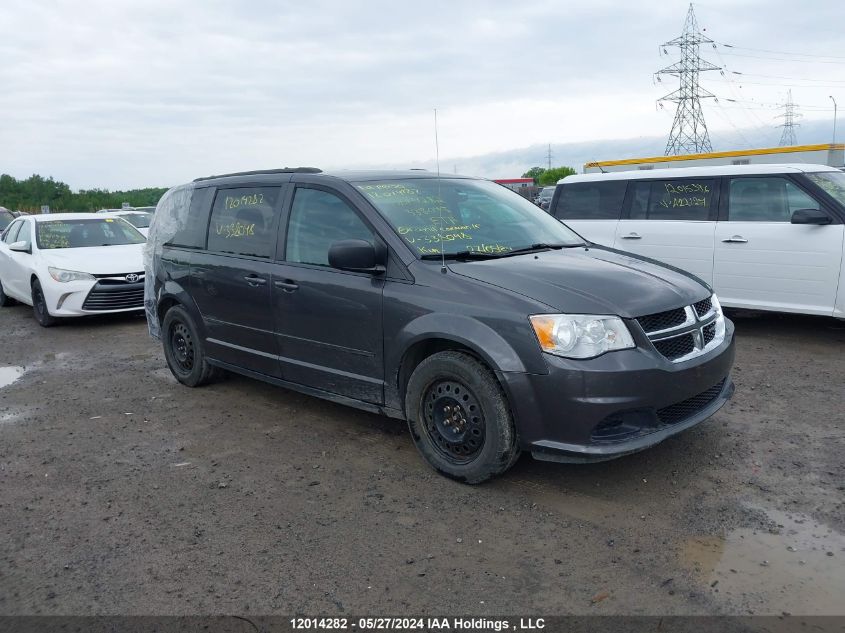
72	264
139	219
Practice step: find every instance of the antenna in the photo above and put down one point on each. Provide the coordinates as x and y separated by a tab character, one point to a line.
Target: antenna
689	131
789	115
440	204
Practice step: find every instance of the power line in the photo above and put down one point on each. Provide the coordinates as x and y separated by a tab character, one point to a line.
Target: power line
744	74
786	59
689	131
766	50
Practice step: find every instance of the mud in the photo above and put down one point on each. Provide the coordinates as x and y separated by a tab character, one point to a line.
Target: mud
122	492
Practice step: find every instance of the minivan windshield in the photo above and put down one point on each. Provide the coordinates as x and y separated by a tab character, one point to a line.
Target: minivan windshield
465	217
84	233
833	182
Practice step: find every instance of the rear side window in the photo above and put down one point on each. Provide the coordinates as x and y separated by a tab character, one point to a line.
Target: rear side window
688	199
766	200
317	219
591	200
243	221
192	235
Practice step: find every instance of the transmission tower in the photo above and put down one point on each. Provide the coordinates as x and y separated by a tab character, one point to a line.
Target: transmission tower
789	115
689	131
549	156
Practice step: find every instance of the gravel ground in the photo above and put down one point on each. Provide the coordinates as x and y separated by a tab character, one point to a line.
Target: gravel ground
123	492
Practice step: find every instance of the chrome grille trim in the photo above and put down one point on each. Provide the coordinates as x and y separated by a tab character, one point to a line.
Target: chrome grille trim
701	327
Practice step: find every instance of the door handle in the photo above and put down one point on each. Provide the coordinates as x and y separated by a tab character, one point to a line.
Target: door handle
632	236
254	280
736	239
288	285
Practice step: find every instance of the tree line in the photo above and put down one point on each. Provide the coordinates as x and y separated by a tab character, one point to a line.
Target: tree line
544	177
33	192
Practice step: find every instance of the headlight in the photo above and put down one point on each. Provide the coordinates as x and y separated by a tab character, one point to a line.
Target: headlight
65	276
580	335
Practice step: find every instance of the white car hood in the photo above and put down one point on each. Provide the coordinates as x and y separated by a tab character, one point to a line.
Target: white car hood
97	260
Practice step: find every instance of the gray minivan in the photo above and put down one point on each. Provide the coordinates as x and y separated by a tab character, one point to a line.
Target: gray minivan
452	303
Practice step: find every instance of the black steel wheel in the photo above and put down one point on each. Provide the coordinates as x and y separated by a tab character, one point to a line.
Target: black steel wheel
183	349
454	420
39	306
459	417
182	344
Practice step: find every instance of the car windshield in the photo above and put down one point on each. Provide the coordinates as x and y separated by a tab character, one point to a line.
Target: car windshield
833	182
6	219
82	233
138	220
545	193
456	217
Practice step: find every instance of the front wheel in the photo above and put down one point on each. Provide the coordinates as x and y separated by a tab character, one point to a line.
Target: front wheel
183	349
39	306
459	418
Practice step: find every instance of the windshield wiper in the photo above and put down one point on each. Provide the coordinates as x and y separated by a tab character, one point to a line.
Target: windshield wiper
463	255
540	246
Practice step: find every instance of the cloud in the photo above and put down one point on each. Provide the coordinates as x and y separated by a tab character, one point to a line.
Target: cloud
122	94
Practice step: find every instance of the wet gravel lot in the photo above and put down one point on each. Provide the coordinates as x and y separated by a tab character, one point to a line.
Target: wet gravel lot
122	492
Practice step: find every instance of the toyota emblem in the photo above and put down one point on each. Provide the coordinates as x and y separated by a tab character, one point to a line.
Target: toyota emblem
132	278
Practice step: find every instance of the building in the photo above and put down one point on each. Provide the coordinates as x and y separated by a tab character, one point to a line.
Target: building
825	154
515	183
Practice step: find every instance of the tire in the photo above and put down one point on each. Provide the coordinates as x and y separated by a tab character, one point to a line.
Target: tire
459	418
5	300
184	350
39	307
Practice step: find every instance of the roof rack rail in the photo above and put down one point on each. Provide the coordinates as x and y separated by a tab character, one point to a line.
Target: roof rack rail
285	170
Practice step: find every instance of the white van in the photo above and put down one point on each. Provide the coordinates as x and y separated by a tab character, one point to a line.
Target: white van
766	237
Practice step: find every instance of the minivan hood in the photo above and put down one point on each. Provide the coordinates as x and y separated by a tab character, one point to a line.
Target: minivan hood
97	260
593	280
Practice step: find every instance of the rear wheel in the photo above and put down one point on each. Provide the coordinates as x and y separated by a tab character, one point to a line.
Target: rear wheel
5	300
183	349
39	306
459	418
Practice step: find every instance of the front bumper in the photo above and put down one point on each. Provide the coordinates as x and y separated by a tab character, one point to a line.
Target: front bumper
84	297
618	403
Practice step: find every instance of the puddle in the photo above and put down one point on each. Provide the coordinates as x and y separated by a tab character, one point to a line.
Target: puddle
8	375
771	573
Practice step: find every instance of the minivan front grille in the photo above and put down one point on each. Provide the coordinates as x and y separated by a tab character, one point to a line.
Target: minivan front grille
662	320
676	347
703	307
682	333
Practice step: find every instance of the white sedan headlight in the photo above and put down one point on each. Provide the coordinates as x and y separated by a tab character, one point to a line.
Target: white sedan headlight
65	276
580	335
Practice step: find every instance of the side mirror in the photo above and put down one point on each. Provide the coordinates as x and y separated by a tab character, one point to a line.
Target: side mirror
810	216
21	247
357	256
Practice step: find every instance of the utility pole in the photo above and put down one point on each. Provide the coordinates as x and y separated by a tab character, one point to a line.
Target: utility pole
689	131
834	118
789	115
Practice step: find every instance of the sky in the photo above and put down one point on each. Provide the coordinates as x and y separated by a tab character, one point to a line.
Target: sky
121	94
